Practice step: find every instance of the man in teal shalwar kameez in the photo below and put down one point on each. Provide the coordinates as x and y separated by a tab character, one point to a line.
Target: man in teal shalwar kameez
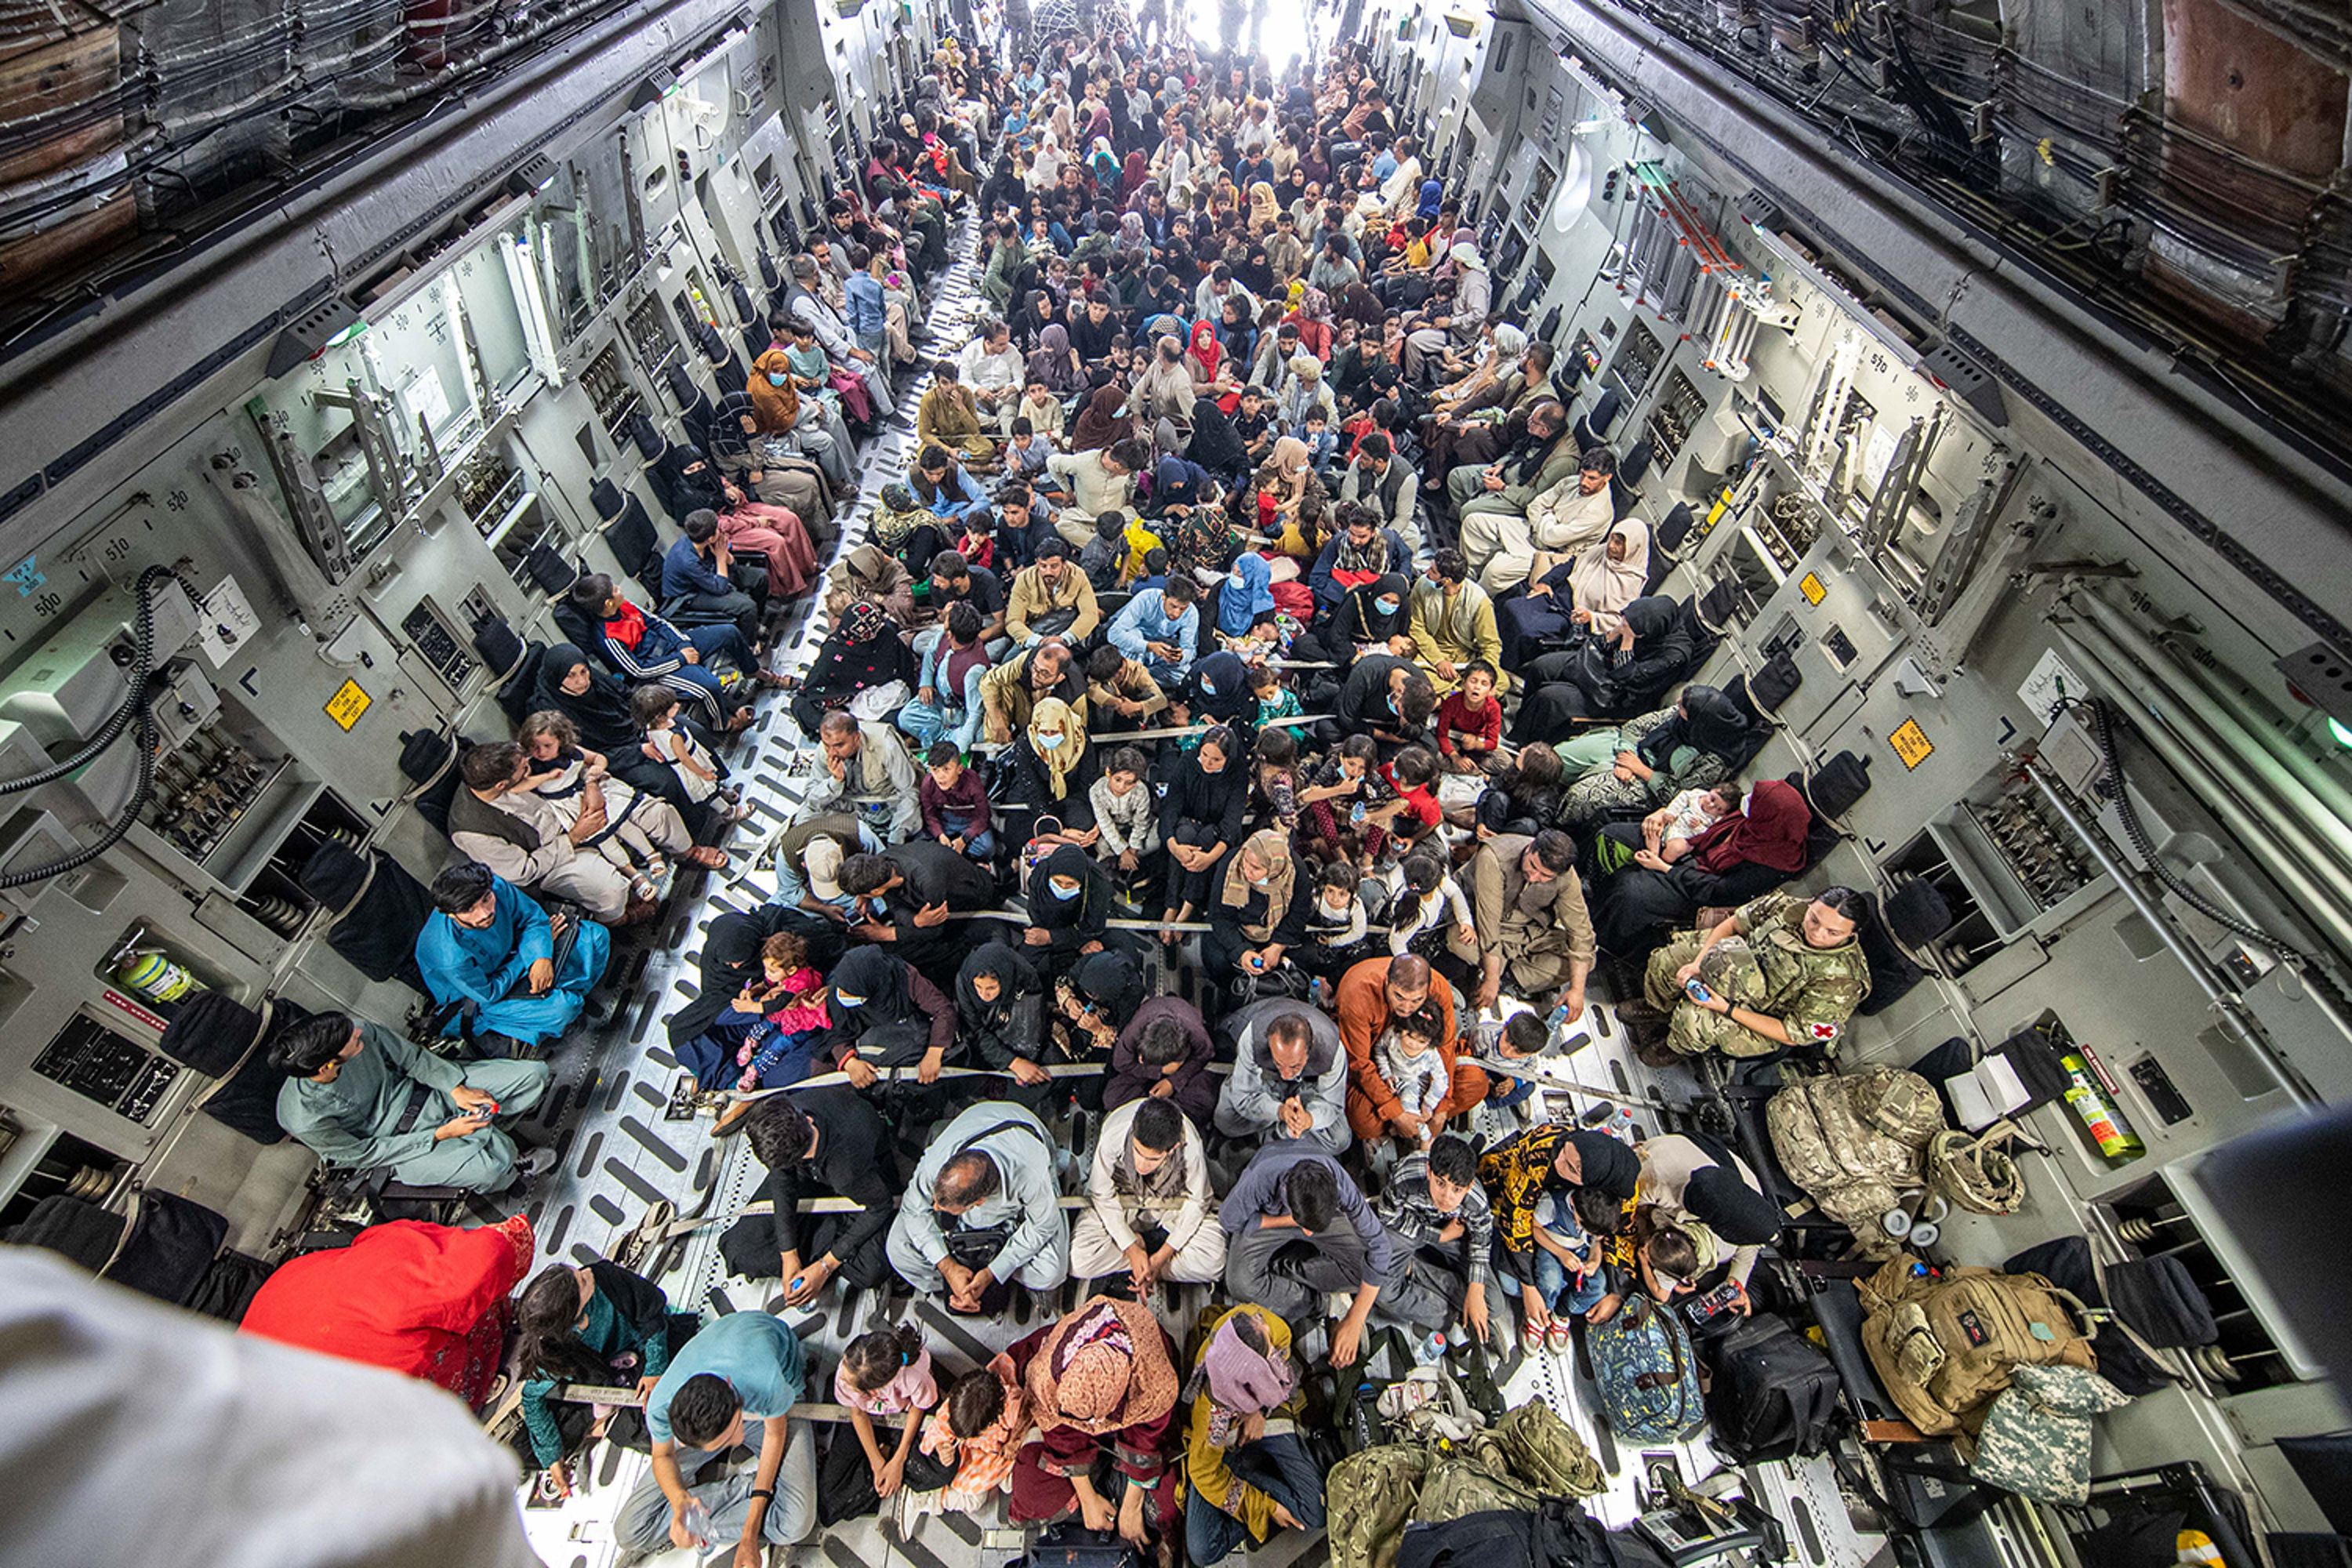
360	1097
490	946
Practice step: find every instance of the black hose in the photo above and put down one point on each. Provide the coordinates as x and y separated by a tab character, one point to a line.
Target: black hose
137	710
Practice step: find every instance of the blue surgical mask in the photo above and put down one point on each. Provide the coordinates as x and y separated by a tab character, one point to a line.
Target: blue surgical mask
846	1000
1388	606
1208	687
1051	742
1061	892
775	379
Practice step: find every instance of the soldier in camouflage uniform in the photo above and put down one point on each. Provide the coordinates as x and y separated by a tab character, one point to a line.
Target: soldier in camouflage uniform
1784	970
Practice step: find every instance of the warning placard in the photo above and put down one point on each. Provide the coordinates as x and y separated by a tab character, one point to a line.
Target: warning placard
1909	741
1811	588
348	703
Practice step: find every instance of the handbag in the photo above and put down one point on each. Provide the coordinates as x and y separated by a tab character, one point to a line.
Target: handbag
976	1247
1034	851
893	1044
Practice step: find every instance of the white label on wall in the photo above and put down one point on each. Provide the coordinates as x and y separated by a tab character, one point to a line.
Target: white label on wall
2040	694
229	623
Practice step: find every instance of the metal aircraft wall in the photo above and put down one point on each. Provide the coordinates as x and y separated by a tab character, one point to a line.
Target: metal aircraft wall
1935	672
536	326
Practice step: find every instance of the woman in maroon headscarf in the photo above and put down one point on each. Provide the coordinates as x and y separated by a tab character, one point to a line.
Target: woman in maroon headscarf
1743	857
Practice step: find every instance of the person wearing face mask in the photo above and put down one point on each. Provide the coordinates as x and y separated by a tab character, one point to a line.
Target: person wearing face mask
1054	768
1387	698
1371	618
883	1012
1070	906
1258	917
1217	691
1244	600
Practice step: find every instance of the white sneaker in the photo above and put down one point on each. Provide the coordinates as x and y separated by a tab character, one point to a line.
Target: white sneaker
535	1164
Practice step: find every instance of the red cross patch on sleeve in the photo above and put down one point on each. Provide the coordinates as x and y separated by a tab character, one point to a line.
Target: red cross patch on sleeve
1824	1032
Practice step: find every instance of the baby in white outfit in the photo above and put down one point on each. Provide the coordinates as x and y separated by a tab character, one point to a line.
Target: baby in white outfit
1408	1057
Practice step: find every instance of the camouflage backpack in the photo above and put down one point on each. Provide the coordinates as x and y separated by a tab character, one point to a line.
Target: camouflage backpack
1975	1172
1460	1485
2036	1440
1855	1141
1546	1453
1944	1345
1367	1500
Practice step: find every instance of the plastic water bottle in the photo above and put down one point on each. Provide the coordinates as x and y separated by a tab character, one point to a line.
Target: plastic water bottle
697	1522
1355	814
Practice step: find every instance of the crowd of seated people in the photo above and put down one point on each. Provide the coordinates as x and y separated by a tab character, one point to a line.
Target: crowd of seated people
1250	594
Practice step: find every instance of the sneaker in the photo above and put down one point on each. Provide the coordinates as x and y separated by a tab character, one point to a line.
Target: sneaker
535	1164
1560	1339
1531	1337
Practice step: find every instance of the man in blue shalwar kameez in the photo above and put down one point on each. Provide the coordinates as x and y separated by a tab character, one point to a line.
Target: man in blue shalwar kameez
489	946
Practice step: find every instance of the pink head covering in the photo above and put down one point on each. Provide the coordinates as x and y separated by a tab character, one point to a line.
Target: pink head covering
1240	1378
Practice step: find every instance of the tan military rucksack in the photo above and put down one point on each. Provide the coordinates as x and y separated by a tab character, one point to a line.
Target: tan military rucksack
1855	1141
1944	1345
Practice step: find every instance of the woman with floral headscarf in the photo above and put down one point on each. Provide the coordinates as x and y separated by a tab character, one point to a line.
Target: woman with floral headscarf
1312	316
1291	500
1240	1482
1101	1381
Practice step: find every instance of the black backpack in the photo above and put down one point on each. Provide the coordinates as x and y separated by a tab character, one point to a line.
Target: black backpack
1774	1394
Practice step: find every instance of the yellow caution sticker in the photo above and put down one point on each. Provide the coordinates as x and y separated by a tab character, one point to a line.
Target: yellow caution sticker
1909	741
1811	588
348	703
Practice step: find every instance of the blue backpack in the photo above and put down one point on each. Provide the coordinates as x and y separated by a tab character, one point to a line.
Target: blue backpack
1648	1372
